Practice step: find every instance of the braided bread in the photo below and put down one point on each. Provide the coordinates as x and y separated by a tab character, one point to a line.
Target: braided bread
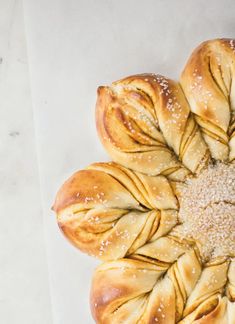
162	215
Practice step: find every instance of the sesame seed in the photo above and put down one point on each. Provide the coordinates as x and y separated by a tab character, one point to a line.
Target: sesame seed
207	210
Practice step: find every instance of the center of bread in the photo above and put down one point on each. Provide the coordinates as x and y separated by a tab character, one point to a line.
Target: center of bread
207	211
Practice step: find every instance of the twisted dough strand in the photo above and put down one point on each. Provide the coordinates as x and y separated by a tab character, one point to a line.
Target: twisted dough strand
208	82
109	211
145	124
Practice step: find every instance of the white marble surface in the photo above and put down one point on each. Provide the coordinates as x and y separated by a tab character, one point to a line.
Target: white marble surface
24	285
74	46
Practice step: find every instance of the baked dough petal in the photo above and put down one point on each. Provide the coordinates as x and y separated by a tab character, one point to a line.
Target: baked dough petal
144	122
109	211
208	82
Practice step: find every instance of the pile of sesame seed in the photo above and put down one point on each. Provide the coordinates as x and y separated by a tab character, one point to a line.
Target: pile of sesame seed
207	211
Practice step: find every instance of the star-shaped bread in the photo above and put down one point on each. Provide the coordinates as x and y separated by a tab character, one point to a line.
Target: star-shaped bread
161	215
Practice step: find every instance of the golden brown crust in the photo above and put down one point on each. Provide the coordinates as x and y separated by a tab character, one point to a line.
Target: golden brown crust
109	211
208	83
145	124
153	286
81	189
